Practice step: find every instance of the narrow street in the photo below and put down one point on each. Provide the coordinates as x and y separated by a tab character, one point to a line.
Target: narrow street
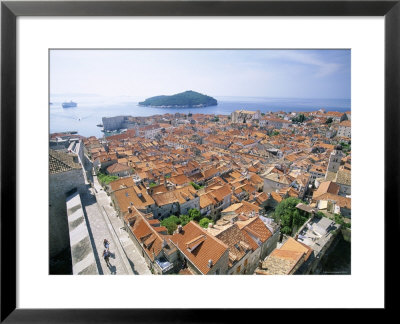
131	258
98	231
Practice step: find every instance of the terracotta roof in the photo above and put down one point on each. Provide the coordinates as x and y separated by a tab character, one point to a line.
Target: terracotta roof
334	114
280	262
253	229
345	123
261	197
61	162
210	248
158	189
339	200
318	169
118	167
147	235
242	207
165	198
129	197
179	180
326	186
276	196
292	245
278	178
236	241
289	191
220	193
210	172
180	196
121	183
206	200
255	178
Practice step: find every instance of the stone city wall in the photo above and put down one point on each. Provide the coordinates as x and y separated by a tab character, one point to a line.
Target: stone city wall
82	252
59	185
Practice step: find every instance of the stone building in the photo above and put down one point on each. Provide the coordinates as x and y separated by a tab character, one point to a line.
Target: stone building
117	122
65	176
275	181
344	129
244	116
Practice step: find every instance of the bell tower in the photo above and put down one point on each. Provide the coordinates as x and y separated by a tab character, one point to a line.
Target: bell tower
335	159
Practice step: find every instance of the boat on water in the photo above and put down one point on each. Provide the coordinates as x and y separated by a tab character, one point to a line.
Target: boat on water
69	104
99	125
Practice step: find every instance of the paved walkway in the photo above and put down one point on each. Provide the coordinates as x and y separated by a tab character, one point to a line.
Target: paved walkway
98	231
134	259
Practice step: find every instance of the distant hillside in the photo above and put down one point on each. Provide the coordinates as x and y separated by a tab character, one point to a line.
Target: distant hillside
187	99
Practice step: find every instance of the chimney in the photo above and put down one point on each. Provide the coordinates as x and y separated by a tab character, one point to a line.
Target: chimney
130	209
210	225
179	228
210	263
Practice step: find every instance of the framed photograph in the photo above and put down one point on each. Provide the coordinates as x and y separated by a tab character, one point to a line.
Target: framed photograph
196	146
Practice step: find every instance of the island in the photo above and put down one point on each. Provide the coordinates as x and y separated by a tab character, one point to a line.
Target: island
187	99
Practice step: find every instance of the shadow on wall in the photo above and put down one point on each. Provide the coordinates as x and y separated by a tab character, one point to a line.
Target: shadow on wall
61	264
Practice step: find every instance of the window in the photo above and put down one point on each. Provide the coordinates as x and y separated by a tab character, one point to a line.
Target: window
238	269
245	262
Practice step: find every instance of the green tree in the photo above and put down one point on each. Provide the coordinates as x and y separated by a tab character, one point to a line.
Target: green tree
329	120
171	223
289	216
105	179
340	220
299	119
194	214
196	186
185	219
204	222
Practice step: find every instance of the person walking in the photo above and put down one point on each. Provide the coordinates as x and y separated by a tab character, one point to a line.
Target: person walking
106	244
106	256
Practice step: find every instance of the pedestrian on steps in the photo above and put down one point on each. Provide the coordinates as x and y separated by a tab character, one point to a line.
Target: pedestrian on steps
106	256
106	244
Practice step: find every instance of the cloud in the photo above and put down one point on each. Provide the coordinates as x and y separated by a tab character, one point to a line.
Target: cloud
310	58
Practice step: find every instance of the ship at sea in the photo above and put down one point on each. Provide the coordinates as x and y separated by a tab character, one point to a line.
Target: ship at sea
69	104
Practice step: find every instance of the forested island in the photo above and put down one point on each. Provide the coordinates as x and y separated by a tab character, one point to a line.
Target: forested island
187	99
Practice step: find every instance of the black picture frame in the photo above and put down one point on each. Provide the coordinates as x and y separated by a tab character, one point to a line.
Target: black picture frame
10	10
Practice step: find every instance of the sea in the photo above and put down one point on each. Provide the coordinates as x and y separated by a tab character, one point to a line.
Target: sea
91	108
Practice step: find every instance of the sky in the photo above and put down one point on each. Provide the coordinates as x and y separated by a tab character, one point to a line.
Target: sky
241	73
